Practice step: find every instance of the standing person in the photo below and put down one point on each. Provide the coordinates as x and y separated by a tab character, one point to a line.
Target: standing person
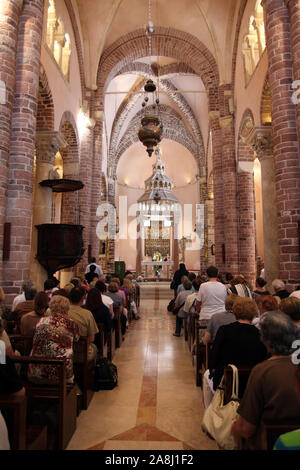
29	321
211	296
179	305
98	267
182	271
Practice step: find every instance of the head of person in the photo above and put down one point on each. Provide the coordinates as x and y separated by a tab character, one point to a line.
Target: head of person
117	280
75	282
93	268
291	307
59	305
30	293
41	303
278	285
108	278
77	295
192	276
27	285
62	292
278	333
182	267
244	309
93	260
260	282
267	303
101	286
228	277
239	279
49	284
101	278
212	272
183	279
196	284
187	284
68	287
113	287
94	299
229	301
55	281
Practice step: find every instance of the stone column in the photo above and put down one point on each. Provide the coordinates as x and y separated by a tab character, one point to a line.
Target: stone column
218	187
285	141
175	248
294	10
139	245
247	221
47	145
260	139
22	146
229	195
96	192
9	20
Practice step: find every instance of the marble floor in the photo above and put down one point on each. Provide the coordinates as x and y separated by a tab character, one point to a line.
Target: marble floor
156	405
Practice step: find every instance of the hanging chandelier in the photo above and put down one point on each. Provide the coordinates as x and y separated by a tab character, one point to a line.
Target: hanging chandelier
151	130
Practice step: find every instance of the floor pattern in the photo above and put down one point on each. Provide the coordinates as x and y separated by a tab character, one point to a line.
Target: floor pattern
156	405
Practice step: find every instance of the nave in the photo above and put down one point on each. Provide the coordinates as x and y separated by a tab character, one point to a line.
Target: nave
156	405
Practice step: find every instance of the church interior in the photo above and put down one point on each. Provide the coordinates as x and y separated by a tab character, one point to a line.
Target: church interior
143	135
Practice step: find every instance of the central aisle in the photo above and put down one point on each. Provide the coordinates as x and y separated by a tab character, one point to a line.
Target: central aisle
156	405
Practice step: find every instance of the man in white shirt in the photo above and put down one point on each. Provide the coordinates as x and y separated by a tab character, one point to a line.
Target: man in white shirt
21	297
98	267
211	296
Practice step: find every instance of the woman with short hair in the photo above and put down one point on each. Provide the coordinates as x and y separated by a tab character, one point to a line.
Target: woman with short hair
270	396
53	338
30	320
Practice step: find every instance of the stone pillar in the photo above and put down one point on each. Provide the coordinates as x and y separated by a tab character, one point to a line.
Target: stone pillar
175	248
218	187
96	193
139	245
47	145
260	139
247	221
294	10
22	146
9	20
285	141
229	195
85	194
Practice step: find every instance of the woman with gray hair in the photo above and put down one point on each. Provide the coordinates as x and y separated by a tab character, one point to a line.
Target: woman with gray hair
53	338
270	396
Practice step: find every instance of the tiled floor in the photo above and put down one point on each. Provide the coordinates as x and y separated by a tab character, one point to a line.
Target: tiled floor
156	405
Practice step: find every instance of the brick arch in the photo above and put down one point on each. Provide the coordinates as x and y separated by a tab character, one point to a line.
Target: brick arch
166	42
176	68
45	111
174	129
68	117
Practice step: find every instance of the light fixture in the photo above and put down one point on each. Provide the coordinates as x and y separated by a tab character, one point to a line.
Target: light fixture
150	133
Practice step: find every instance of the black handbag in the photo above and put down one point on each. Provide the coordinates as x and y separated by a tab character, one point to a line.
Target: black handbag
106	375
173	285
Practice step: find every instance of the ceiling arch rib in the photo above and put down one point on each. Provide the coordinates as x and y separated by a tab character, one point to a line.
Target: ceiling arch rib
174	129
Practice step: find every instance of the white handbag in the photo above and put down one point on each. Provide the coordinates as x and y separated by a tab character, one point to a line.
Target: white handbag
218	418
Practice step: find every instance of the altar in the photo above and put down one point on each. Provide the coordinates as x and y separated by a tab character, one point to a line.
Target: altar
154	264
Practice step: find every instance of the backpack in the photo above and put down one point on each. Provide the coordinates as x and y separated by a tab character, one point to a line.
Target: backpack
171	305
106	375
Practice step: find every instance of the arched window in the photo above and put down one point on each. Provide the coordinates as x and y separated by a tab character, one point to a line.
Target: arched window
58	41
254	42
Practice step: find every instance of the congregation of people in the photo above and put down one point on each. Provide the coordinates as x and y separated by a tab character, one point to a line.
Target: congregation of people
58	317
249	326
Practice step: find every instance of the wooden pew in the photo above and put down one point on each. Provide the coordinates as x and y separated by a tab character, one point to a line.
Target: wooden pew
62	395
201	356
21	343
111	345
244	372
271	432
117	328
21	437
84	371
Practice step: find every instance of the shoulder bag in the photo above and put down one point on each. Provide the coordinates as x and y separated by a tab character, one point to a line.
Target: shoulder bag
218	418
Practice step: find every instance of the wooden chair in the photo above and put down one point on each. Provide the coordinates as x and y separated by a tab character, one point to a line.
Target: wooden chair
244	372
84	371
271	432
62	395
21	343
21	437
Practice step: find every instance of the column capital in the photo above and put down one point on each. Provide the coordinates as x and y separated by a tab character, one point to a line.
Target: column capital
47	145
261	140
226	121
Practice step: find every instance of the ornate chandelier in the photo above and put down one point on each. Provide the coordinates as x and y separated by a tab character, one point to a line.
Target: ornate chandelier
150	133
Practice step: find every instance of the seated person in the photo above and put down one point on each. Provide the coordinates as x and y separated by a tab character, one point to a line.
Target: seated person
24	307
280	290
91	275
84	319
291	440
50	287
265	303
240	287
260	284
270	396
108	302
291	307
29	321
21	297
237	343
53	338
220	319
5	338
100	313
117	305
